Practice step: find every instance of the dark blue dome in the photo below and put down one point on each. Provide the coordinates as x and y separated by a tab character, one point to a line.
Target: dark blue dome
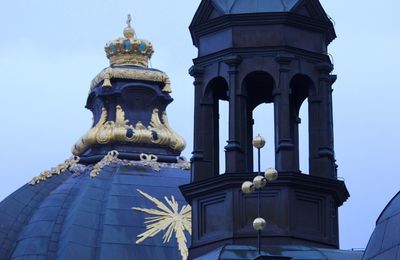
74	216
254	6
385	240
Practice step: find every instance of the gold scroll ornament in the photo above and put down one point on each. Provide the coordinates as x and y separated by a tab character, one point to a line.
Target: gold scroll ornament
104	132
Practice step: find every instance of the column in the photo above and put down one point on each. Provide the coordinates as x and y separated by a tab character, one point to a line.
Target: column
199	171
286	158
322	156
236	161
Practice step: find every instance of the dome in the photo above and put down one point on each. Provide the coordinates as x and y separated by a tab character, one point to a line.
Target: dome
254	6
385	240
84	213
118	196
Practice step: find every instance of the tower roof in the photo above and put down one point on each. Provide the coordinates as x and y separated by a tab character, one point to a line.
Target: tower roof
254	6
217	15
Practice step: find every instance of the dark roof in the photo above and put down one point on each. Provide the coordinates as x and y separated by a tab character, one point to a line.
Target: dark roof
74	216
294	252
385	240
254	6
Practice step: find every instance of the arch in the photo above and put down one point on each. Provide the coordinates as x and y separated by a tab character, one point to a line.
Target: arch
302	88
217	88
258	87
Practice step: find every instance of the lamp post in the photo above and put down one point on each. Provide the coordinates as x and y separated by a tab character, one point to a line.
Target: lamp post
259	183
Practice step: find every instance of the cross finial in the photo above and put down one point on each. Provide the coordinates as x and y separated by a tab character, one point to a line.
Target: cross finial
128	20
128	31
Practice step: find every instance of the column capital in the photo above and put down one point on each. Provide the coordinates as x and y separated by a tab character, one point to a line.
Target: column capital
332	79
324	68
281	91
232	60
196	71
284	59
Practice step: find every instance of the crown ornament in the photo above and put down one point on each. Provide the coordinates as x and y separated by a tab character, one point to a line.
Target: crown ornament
128	50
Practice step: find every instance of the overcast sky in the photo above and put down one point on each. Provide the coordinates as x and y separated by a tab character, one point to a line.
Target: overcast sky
50	51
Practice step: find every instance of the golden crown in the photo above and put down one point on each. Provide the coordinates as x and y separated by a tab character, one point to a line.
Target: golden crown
128	50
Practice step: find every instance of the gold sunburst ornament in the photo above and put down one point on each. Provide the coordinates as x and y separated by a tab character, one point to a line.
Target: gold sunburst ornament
167	217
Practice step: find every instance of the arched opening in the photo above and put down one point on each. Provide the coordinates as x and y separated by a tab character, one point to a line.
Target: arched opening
223	132
304	138
263	117
258	87
215	112
302	88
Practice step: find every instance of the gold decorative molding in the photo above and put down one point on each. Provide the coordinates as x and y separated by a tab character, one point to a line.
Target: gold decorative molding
67	165
135	74
107	160
105	132
146	160
150	160
168	218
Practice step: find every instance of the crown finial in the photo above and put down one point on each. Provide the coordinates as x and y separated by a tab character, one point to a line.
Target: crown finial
128	50
128	31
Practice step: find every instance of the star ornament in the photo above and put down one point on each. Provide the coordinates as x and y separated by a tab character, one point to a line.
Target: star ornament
168	218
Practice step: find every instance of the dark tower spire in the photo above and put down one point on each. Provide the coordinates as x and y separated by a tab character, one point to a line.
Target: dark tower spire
252	52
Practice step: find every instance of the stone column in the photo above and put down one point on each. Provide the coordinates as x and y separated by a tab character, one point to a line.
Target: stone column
322	156
234	151
200	171
286	158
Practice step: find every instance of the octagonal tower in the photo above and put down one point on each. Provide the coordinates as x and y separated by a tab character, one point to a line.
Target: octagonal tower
252	52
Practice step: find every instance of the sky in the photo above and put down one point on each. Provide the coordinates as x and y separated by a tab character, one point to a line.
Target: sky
51	50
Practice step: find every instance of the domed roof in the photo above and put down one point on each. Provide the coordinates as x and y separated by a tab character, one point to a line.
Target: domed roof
96	212
254	6
118	197
385	240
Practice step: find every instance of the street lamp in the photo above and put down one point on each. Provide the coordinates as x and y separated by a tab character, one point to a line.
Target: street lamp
259	183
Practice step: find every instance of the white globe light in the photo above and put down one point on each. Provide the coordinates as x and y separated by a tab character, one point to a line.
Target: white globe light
259	224
259	182
271	174
248	187
258	141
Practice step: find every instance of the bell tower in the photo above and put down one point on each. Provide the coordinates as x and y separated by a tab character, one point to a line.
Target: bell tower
252	52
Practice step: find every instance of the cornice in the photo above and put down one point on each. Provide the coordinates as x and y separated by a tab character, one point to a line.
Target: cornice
308	182
243	52
252	19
